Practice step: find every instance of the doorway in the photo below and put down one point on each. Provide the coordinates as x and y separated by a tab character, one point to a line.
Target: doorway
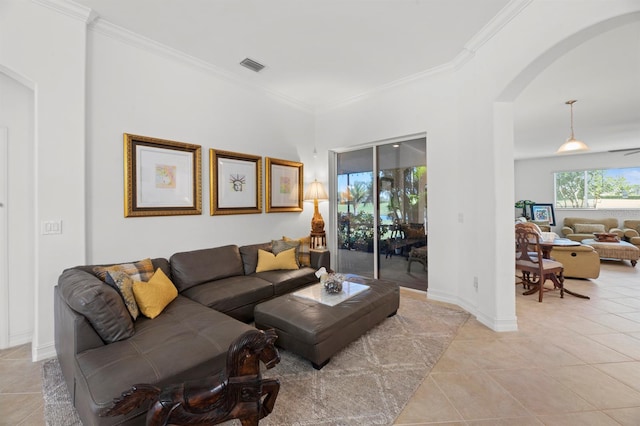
381	211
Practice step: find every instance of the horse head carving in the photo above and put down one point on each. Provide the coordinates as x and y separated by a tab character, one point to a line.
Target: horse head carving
242	394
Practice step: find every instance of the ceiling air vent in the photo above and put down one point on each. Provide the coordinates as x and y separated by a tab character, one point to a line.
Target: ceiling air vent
251	64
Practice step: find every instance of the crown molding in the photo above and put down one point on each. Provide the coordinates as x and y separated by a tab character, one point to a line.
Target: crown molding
136	40
493	27
486	33
69	8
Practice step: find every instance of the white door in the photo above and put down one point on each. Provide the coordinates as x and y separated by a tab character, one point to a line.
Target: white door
4	273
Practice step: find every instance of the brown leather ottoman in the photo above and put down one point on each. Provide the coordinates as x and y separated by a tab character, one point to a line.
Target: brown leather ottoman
315	330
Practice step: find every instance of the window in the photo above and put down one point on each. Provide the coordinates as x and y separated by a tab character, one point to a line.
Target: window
598	189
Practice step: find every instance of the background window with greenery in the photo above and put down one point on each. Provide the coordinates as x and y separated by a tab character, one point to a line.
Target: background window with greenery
598	189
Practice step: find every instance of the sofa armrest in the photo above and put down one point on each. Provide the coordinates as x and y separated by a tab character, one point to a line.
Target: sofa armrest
619	232
73	334
566	230
320	258
630	233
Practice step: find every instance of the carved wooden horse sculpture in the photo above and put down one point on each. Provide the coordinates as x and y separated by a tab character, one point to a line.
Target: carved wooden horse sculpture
214	399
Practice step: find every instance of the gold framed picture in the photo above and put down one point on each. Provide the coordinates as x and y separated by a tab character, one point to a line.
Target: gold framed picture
235	183
162	177
284	185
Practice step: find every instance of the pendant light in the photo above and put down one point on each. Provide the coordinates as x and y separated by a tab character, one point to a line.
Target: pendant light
572	144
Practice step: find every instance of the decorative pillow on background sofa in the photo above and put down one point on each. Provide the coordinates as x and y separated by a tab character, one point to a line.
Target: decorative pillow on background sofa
588	228
153	296
124	284
304	256
138	271
272	262
278	246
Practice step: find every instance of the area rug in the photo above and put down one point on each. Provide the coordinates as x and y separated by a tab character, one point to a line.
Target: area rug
369	382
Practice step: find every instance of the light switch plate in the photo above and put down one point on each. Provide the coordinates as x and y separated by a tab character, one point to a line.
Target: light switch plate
51	227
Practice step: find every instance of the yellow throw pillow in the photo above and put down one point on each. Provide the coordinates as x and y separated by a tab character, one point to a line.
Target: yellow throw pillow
304	257
272	262
153	296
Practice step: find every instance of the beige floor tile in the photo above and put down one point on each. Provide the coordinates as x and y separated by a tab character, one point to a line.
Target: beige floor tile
591	418
587	350
539	392
20	375
519	421
611	306
598	388
36	418
626	372
537	351
477	396
633	316
617	322
17	407
625	416
620	342
18	352
428	405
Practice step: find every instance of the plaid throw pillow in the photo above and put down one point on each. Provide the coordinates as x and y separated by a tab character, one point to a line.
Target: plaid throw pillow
304	255
138	271
124	285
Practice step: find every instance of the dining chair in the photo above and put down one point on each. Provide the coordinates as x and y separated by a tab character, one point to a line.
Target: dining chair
535	269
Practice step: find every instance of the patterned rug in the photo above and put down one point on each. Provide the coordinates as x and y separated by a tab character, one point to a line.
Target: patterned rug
369	382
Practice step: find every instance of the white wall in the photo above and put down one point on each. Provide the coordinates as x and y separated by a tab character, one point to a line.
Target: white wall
16	114
467	115
46	50
534	181
147	93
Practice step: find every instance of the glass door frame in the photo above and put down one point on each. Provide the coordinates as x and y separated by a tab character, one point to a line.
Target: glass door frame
332	239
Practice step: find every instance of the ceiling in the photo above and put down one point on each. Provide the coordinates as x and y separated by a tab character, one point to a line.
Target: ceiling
320	52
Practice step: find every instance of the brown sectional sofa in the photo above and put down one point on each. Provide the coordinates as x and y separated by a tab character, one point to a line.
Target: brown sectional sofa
102	352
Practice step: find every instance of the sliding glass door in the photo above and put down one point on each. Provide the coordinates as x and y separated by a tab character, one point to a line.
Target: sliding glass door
382	211
356	212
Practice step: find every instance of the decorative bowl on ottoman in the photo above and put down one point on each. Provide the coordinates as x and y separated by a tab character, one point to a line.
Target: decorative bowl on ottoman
606	237
332	282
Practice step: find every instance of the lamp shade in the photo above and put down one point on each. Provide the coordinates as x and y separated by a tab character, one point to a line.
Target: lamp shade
315	191
572	145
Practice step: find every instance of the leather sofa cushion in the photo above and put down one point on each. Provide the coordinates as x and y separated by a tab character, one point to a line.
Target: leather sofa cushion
187	341
195	267
286	281
249	255
230	293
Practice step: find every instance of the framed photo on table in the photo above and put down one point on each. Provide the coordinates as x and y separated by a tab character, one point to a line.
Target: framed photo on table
542	212
284	186
235	183
162	177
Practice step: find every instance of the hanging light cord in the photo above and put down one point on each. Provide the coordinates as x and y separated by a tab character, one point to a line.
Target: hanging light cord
570	103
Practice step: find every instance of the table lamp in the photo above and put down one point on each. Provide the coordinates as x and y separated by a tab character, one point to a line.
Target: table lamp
315	191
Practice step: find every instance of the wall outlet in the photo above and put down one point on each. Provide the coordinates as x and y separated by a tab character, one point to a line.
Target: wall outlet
475	283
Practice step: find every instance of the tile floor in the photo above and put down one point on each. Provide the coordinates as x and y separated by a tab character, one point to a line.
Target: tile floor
572	362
